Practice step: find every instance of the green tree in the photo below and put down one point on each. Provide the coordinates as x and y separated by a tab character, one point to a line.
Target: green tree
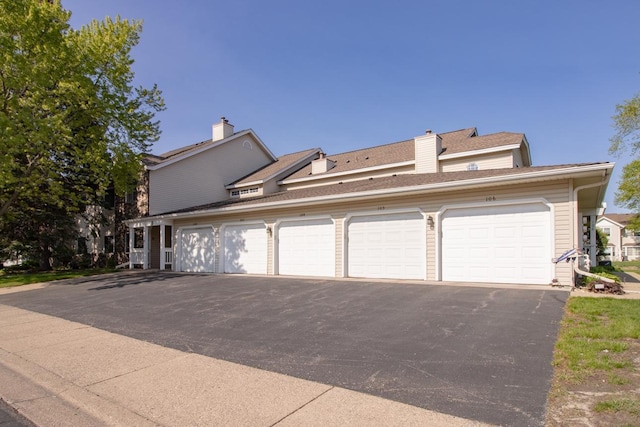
71	122
627	139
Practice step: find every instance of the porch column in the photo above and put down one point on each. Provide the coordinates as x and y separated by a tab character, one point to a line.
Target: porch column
145	253
131	240
162	231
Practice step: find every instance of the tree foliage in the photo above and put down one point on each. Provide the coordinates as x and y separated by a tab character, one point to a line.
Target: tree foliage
627	138
71	122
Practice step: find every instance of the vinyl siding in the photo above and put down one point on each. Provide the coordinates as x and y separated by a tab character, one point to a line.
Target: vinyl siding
557	193
201	179
329	179
501	160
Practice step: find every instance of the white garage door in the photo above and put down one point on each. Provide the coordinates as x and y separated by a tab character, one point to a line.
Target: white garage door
388	246
197	250
245	249
505	244
307	248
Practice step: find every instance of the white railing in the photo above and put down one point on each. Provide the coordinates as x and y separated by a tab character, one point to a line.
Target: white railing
136	256
168	256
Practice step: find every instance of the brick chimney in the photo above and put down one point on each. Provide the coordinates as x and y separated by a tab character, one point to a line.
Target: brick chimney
222	129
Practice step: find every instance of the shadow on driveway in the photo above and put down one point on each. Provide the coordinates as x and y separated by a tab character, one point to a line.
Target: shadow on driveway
475	352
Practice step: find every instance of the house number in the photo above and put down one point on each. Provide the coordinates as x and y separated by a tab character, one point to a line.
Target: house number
490	198
380	208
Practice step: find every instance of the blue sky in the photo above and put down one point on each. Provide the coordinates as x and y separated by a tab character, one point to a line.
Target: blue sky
344	75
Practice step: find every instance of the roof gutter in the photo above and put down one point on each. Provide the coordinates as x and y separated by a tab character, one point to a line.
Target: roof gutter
375	194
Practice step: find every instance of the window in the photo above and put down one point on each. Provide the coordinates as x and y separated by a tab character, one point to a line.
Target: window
472	167
247	145
138	238
109	199
606	231
236	193
108	244
126	242
131	197
81	246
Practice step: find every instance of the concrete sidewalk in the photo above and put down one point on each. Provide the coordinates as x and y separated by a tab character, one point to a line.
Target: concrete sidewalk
61	373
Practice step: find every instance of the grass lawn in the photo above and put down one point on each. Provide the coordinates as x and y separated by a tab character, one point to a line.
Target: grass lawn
20	278
627	265
596	363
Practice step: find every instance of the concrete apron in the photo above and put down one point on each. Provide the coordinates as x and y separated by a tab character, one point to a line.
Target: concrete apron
61	373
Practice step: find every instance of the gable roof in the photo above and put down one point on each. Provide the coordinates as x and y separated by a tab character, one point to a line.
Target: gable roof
153	161
398	184
476	143
455	142
620	219
279	166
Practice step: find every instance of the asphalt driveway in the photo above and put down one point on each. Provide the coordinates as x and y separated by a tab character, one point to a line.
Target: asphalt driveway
474	352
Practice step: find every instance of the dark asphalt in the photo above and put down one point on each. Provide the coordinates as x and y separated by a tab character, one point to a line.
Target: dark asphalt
474	352
9	417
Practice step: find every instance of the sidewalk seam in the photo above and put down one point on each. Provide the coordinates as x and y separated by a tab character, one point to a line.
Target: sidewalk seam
303	406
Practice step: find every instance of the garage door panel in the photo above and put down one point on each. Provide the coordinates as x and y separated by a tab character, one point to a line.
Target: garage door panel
516	247
387	246
197	250
245	249
307	248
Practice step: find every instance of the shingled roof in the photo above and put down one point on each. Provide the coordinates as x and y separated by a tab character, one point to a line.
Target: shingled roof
458	141
401	181
282	164
622	219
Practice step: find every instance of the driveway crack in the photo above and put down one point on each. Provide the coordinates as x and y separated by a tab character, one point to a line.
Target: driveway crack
303	406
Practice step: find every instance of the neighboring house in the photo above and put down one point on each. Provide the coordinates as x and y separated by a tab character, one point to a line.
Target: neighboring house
454	206
624	244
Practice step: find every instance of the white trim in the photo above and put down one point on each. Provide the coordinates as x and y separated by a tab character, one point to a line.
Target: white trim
273	175
206	146
177	259
345	173
479	152
485	205
276	237
345	233
416	189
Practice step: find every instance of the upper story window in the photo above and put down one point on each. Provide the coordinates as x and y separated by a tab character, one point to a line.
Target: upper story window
606	231
472	167
247	144
244	191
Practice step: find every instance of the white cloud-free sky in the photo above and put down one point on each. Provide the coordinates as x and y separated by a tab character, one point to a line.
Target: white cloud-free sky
344	75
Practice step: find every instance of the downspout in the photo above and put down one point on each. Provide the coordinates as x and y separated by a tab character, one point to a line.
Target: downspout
577	223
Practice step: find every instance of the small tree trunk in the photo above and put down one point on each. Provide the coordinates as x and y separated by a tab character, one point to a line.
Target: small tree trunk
45	259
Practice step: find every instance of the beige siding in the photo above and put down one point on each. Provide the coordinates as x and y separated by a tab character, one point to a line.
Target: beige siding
502	160
556	193
427	150
517	159
329	179
201	178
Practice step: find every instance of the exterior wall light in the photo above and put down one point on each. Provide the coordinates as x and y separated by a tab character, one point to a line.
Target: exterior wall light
430	222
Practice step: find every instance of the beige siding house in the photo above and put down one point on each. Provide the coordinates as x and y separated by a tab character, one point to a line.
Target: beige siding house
453	206
624	244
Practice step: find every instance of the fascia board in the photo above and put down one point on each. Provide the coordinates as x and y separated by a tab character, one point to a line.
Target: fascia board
345	173
479	152
211	146
606	218
572	172
273	175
